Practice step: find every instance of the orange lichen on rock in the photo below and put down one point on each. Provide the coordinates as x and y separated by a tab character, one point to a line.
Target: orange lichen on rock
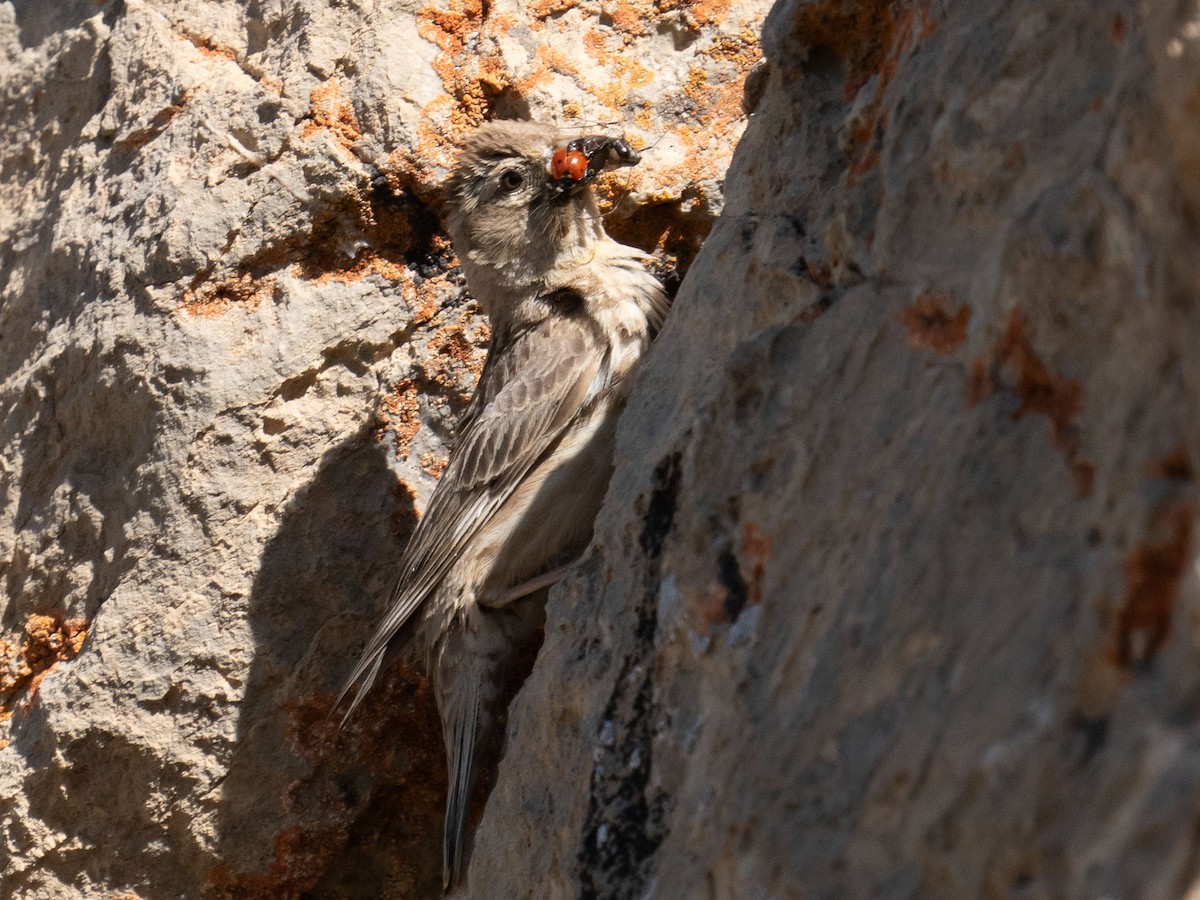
380	231
400	412
211	300
208	48
540	10
631	18
434	464
366	263
719	105
330	111
1153	572
714	91
455	360
474	76
628	18
628	74
388	235
714	88
26	660
425	298
546	61
595	44
699	13
742	50
446	375
1040	391
933	327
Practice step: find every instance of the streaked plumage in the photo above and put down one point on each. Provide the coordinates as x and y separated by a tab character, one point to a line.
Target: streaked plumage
572	312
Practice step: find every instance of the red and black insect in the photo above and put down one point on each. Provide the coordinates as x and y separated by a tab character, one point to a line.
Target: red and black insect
567	163
582	158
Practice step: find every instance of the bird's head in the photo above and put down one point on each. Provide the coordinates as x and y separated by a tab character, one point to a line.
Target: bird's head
520	201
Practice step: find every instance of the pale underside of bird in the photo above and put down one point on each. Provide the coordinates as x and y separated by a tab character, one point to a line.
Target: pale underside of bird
572	312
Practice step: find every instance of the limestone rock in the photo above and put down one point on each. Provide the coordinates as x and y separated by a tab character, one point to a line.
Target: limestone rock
233	343
894	590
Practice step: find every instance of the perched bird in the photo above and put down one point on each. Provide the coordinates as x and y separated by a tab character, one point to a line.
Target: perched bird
572	313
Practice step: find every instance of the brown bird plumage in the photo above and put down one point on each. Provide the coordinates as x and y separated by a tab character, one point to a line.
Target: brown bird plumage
572	312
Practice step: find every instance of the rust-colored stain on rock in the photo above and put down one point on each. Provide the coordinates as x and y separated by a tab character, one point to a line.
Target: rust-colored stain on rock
1153	572
207	46
1176	465
1014	157
1041	392
757	546
870	38
301	855
859	34
157	125
933	327
396	739
1117	29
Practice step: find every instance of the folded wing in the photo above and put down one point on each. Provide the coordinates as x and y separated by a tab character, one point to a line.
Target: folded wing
526	399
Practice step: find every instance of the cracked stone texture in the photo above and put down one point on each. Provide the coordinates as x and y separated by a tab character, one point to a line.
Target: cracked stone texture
233	343
894	591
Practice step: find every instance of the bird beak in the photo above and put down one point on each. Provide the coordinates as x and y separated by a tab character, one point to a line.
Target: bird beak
578	161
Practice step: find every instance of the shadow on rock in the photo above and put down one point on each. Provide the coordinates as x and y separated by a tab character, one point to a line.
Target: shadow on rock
308	809
37	21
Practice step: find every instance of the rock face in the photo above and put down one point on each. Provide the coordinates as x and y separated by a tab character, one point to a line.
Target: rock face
894	589
233	343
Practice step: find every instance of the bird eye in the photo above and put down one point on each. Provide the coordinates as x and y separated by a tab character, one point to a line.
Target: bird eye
511	179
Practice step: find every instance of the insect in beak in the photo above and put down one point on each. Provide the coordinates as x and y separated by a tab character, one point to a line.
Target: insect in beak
580	160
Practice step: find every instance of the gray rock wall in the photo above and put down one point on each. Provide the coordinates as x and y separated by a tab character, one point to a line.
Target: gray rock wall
894	591
233	342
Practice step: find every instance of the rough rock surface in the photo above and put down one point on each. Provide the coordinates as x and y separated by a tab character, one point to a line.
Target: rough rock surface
233	342
893	593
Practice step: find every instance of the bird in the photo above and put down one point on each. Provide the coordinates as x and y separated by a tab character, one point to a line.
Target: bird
572	314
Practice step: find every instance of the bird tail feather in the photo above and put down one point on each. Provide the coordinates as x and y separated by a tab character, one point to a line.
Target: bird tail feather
462	728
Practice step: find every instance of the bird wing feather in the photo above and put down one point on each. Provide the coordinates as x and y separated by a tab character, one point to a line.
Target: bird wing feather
531	392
